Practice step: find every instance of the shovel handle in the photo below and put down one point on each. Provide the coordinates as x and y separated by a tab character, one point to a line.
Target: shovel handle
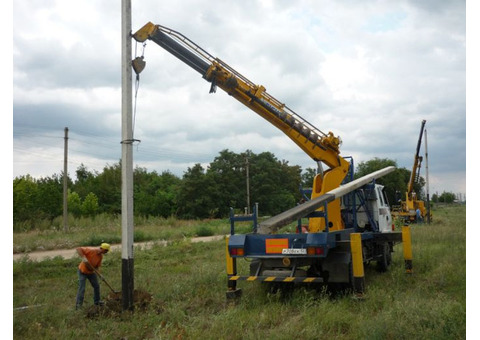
101	277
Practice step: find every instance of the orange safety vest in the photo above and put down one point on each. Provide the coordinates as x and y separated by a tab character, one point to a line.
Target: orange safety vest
94	256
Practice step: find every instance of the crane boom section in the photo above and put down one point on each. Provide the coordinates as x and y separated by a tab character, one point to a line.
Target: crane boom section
321	147
318	145
416	163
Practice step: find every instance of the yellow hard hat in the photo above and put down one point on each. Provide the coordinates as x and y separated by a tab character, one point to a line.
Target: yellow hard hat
105	246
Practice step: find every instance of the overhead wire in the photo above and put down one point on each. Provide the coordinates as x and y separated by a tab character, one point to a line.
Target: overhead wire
102	145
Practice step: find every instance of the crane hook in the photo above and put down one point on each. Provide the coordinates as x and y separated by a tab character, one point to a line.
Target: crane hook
138	64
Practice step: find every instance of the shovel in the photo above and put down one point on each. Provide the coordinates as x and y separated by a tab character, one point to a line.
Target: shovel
101	277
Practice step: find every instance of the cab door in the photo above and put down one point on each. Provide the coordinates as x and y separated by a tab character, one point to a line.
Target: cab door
384	215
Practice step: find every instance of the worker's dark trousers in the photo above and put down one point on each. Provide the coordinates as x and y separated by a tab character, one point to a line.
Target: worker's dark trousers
81	287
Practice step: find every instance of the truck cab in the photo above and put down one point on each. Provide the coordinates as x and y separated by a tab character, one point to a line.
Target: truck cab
379	209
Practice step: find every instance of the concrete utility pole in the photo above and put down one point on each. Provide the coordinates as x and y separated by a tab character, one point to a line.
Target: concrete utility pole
248	186
426	175
127	159
65	181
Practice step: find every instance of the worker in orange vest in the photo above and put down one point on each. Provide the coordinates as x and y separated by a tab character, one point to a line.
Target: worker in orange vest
91	261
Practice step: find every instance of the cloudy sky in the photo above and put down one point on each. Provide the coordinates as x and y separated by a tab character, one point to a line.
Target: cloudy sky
369	71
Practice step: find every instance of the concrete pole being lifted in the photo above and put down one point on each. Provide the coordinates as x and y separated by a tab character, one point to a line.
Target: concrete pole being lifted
127	159
272	224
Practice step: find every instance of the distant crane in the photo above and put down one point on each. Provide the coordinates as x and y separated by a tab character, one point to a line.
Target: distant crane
407	210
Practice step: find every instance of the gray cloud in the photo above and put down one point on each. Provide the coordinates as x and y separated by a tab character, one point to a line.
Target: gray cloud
368	71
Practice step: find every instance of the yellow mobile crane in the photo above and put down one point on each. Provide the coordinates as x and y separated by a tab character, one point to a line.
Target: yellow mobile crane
349	220
407	210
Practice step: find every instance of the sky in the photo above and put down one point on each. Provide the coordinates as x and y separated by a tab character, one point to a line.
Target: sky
369	71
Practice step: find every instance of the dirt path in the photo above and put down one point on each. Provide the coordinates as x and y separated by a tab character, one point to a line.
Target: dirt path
70	253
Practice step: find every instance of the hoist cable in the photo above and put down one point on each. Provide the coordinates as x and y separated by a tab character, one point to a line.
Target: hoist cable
137	86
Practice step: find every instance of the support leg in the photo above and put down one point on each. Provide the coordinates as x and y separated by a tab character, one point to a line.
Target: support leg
407	249
232	290
357	264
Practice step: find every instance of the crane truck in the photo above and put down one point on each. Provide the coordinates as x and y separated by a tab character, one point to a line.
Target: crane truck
407	210
349	221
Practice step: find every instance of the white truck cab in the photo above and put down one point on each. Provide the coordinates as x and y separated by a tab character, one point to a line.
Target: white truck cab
377	204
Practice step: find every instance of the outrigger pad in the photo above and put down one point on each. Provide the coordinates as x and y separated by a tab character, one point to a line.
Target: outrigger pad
234	294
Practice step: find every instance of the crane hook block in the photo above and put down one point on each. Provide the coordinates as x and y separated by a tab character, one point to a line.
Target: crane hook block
145	32
138	64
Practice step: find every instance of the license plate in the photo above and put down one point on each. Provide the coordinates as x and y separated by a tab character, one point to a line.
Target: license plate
294	251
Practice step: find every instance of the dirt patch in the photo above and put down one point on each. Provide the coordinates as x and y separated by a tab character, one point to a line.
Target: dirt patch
142	301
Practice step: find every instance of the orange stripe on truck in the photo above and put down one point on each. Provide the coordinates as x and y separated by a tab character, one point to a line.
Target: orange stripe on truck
275	246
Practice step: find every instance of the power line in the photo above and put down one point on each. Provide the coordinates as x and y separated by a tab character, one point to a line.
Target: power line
107	145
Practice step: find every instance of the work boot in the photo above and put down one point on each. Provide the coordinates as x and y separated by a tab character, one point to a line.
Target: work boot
100	303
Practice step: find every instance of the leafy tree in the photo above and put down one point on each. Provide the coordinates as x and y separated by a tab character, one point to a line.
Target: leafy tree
25	191
109	188
228	173
50	196
393	182
275	184
144	192
196	193
166	194
307	177
398	186
86	182
37	199
155	195
447	197
74	203
200	193
90	205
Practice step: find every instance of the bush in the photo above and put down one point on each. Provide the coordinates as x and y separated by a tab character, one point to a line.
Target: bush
95	240
204	231
140	236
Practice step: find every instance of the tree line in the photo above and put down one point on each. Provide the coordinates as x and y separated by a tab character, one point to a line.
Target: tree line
202	192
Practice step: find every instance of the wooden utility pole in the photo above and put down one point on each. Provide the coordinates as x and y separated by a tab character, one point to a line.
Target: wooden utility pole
65	181
127	159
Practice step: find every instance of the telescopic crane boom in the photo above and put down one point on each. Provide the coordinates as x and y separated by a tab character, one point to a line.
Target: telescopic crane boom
321	147
417	162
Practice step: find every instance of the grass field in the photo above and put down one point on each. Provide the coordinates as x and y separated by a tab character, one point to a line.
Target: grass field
187	283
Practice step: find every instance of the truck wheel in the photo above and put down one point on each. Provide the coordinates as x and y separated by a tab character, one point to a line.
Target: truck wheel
385	258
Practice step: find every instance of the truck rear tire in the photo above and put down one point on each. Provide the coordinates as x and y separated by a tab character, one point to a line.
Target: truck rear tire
385	257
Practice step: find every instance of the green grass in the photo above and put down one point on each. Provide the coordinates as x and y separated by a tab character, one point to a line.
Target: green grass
188	284
87	231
